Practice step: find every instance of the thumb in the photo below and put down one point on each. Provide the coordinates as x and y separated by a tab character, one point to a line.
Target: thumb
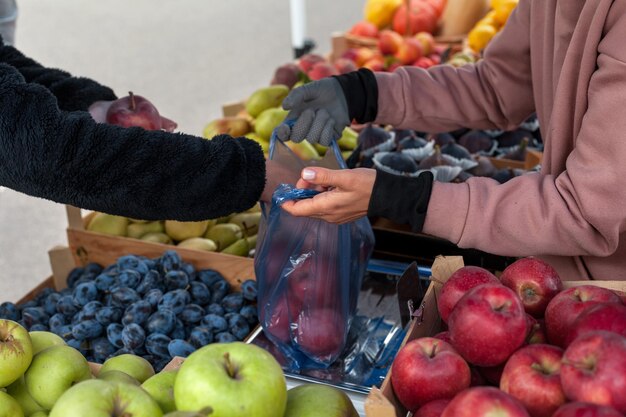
324	177
300	95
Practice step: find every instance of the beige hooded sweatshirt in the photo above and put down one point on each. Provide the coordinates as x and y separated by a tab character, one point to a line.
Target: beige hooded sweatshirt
566	60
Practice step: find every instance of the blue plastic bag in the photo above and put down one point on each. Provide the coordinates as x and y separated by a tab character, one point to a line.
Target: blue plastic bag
309	272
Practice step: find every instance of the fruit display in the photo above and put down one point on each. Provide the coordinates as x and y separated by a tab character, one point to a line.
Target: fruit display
234	234
153	308
404	17
487	27
494	357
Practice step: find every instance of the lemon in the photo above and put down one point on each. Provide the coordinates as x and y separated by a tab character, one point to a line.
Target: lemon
479	37
503	11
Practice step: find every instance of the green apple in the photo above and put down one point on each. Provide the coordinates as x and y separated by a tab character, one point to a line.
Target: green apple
9	407
53	372
39	414
316	400
161	389
18	391
135	366
16	351
117	377
231	379
97	398
201	413
44	340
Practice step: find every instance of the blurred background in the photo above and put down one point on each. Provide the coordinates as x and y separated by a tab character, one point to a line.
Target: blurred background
188	57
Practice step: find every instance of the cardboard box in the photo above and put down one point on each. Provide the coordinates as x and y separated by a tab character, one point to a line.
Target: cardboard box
426	322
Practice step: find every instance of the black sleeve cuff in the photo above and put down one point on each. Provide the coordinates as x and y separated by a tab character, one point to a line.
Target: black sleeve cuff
361	91
401	199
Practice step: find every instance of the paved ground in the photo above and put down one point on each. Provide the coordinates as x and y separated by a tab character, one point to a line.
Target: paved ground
188	57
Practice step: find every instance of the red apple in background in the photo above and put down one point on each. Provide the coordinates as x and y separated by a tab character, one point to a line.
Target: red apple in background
436	59
594	370
389	42
492	374
484	402
534	281
567	305
375	64
606	316
459	283
287	74
536	331
351	54
321	70
320	332
422	18
136	111
363	55
344	66
488	324
578	409
365	29
393	66
424	62
445	336
428	369
307	61
427	41
532	375
432	409
409	51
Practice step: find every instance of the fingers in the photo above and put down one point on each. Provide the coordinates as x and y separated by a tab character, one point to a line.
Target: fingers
328	134
283	132
300	130
319	122
303	208
300	95
325	177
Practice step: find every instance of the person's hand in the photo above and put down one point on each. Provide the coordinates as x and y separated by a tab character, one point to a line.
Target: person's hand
321	111
276	174
345	197
99	109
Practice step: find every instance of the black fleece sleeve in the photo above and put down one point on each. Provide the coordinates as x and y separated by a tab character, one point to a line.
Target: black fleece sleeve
72	93
361	91
68	158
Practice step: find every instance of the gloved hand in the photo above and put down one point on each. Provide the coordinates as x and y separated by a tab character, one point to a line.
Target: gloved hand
321	111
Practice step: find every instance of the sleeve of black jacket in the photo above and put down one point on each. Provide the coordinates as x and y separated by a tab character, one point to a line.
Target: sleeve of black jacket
72	93
68	158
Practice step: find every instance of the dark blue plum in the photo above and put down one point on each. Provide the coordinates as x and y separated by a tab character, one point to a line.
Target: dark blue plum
9	311
65	291
50	303
189	269
133	336
107	315
31	303
90	309
238	326
132	262
175	300
176	280
179	331
64	331
215	323
200	336
225	337
38	328
163	321
40	298
74	276
34	315
114	334
232	302
215	309
178	347
152	280
200	293
209	277
192	313
93	268
170	261
88	329
129	278
249	312
80	345
156	344
105	282
153	297
159	364
102	349
56	321
138	313
111	270
249	290
84	293
66	306
219	290
123	297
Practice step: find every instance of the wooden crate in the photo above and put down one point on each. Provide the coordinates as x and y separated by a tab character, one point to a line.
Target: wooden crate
103	249
533	158
383	402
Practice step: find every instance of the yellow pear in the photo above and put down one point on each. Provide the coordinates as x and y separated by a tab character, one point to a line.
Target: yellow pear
247	222
137	220
224	234
265	145
252	241
198	243
157	237
267	121
321	150
239	248
346	154
108	224
265	98
254	209
348	140
233	126
185	230
303	150
137	230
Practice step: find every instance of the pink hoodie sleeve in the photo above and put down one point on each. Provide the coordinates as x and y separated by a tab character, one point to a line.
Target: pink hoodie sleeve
495	93
582	211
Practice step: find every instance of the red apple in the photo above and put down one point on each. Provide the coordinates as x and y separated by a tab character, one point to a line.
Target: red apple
344	66
277	324
427	41
606	316
536	331
534	281
594	370
365	29
484	402
492	374
307	61
409	51
136	111
432	409
362	55
445	336
567	305
424	62
436	59
459	283
287	74
320	333
393	66
532	375
488	324
351	54
578	409
375	64
422	18
321	70
389	42
428	369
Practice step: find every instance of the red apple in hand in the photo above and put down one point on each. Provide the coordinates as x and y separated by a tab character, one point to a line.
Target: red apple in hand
320	333
532	375
136	111
459	283
432	409
534	281
428	369
567	305
606	316
488	324
594	370
577	409
484	402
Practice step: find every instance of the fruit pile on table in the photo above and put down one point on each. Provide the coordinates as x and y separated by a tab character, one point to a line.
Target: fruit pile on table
490	25
520	345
